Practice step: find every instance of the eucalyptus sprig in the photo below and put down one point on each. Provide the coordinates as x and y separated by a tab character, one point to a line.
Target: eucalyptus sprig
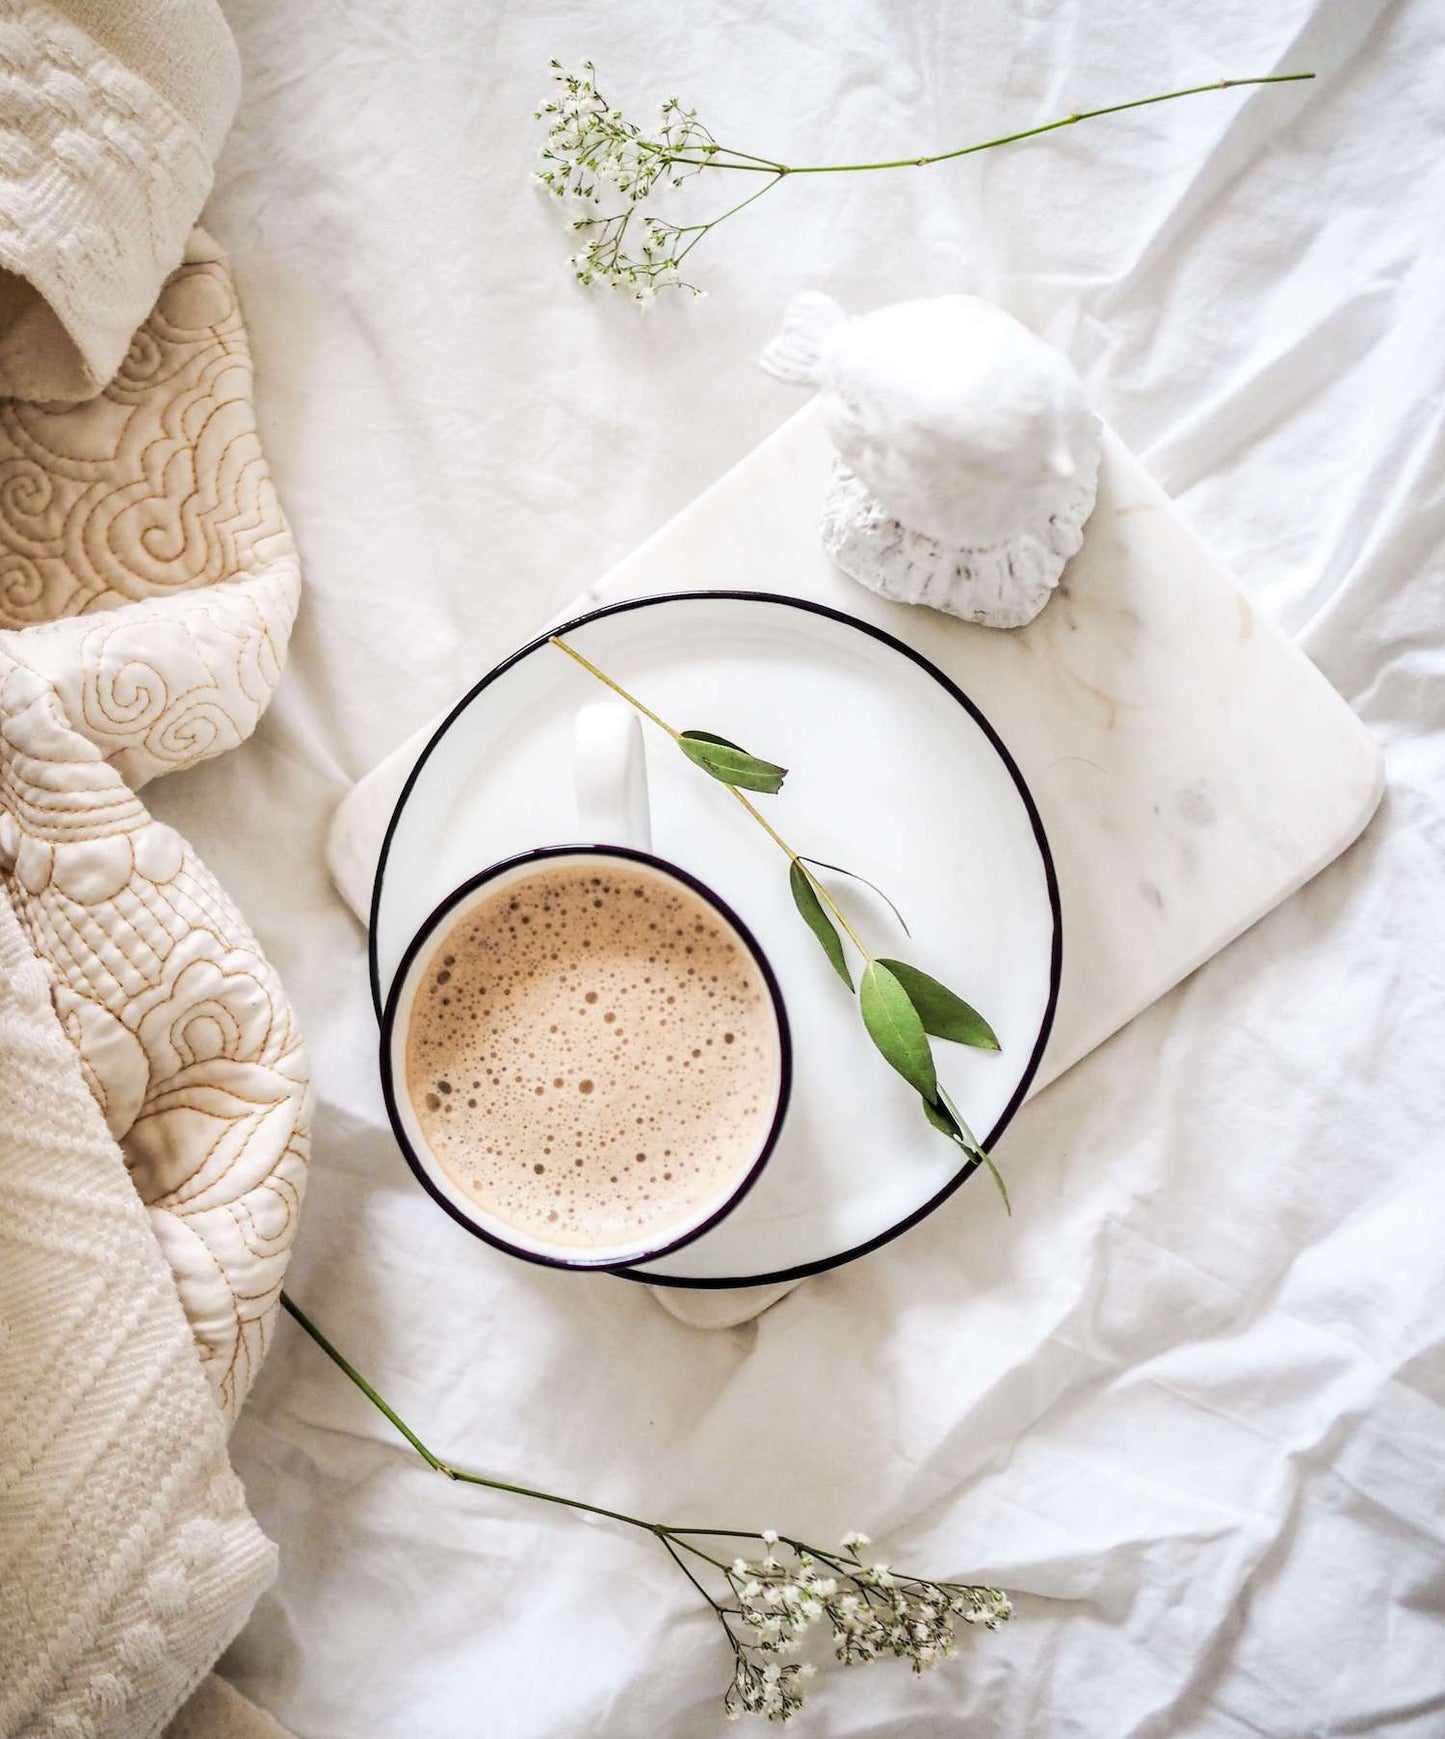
766	1603
901	1005
592	146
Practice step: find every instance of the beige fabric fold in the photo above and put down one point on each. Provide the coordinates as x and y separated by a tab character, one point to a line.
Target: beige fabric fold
111	115
219	1711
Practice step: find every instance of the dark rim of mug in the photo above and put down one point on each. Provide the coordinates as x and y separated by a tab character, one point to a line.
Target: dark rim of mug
424	936
799	1270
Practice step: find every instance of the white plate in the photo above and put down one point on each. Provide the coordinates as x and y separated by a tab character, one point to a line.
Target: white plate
893	772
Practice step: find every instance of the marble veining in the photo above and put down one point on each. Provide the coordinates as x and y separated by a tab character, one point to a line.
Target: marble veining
1192	768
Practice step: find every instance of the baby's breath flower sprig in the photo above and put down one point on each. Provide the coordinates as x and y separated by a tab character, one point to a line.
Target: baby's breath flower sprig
767	1604
868	1610
594	152
592	149
902	1007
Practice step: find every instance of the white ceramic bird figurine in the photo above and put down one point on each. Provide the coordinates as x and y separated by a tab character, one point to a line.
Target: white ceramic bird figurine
968	455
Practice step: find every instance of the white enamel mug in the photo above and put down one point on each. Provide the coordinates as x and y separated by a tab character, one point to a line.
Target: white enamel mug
614	824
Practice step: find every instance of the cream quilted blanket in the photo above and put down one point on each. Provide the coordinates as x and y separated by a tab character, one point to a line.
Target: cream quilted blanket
147	588
148	584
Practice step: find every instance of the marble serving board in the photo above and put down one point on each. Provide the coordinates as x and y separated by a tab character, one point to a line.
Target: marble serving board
1191	766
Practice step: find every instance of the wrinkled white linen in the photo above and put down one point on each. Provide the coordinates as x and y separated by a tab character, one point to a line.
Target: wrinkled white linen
1188	1404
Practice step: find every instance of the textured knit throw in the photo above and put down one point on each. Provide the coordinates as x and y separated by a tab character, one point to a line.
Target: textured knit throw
127	1557
111	115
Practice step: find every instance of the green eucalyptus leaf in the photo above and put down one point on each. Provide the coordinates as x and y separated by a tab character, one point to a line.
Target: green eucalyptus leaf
941	1121
805	898
731	764
947	1117
894	1026
943	1014
997	1176
712	737
853	875
947	1104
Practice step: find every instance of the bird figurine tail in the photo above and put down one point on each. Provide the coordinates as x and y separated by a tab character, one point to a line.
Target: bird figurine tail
796	353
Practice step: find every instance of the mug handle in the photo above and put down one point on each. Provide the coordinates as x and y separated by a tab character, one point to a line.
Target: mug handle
609	768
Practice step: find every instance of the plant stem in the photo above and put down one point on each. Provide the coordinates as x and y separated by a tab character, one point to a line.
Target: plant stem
767	827
712	223
616	687
710	155
675	1536
747	156
676	1557
661	1530
294	1310
713	1533
818	887
780	169
975	1148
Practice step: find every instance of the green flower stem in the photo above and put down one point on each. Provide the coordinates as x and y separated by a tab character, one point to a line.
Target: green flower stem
674	1538
767	827
766	167
676	1557
713	155
699	230
299	1316
590	142
661	1530
295	1311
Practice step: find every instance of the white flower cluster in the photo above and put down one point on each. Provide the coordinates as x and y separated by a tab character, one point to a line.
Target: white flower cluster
870	1610
592	150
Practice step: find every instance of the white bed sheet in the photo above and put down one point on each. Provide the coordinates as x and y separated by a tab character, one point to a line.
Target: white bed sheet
1189	1404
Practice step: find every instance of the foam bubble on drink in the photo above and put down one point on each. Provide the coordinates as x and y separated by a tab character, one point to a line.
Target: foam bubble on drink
592	1055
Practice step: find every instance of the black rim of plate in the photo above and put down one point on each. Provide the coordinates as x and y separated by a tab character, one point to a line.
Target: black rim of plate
801	1271
427	934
